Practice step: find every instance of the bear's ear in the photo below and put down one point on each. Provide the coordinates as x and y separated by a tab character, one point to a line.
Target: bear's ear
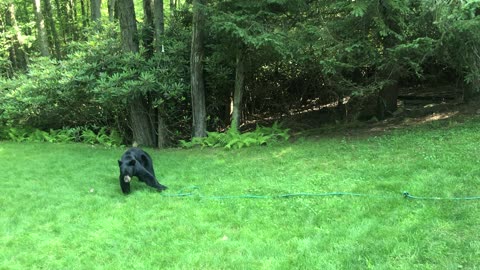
119	163
132	162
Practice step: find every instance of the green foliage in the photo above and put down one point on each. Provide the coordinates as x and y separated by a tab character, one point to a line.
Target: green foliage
458	23
296	51
233	139
102	136
92	85
52	94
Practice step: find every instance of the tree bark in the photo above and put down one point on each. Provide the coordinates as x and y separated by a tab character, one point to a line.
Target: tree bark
148	28
139	114
83	10
161	128
159	23
239	89
62	19
71	21
111	10
95	6
143	134
53	29
17	54
159	30
196	66
128	26
42	33
389	93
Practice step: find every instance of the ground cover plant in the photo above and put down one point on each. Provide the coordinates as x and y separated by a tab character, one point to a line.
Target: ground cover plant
62	207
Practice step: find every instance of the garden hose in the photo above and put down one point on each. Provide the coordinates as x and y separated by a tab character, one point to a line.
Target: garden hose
193	192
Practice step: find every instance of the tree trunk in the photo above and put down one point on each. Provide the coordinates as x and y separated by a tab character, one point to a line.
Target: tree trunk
128	26
95	6
52	29
196	66
173	5
140	122
148	28
239	89
159	29
389	93
111	10
83	10
17	56
62	19
161	128
159	23
42	33
139	114
71	13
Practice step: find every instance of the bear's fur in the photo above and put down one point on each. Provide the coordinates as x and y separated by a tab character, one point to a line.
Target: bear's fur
136	162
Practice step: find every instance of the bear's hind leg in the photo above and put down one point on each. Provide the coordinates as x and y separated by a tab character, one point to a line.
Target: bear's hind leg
155	184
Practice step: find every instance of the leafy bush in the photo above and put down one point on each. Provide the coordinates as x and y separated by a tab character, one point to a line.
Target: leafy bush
233	139
92	84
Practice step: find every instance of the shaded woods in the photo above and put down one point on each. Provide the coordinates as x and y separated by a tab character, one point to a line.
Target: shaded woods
159	71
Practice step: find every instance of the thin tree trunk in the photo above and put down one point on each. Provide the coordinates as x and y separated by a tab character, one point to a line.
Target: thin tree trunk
239	89
139	114
42	33
83	10
111	10
196	66
159	29
161	128
18	57
159	23
61	15
148	28
71	13
53	29
148	35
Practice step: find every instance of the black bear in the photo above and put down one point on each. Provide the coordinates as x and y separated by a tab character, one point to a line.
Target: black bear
136	162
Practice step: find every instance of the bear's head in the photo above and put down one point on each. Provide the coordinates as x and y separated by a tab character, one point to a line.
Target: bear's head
127	169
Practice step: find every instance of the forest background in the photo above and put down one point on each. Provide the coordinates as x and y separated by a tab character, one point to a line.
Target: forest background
157	71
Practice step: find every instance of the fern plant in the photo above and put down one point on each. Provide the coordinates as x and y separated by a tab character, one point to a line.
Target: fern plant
67	134
233	139
77	134
88	136
17	134
41	136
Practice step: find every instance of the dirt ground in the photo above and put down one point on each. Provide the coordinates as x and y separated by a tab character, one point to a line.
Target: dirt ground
321	124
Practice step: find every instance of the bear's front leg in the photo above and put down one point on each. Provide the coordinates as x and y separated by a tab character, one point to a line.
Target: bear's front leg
124	185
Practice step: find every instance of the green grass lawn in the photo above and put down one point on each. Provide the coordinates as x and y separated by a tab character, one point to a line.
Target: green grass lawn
62	208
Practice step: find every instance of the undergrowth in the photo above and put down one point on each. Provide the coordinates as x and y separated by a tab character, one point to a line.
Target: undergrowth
79	134
233	139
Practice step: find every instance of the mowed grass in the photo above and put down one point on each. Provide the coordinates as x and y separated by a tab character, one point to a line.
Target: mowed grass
62	208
